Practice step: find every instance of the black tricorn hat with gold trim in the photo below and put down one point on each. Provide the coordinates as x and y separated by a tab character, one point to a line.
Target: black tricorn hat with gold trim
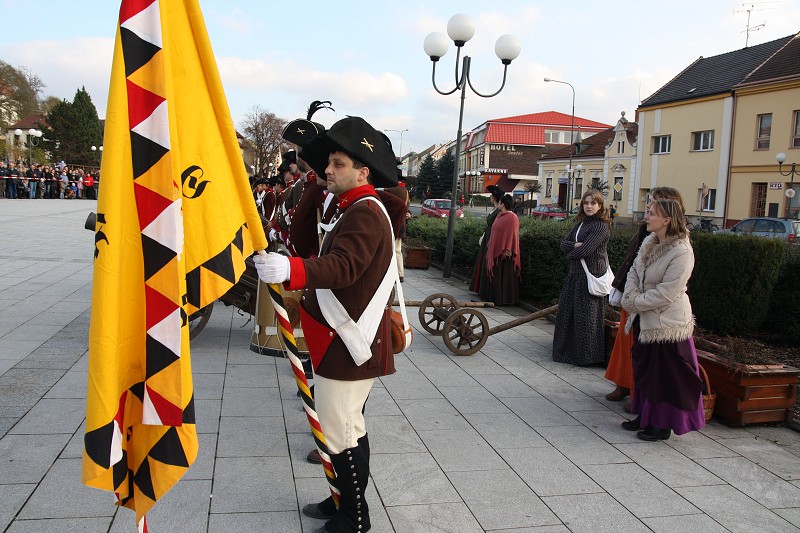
355	137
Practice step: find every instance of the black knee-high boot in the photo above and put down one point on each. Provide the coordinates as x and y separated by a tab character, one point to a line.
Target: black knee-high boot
352	477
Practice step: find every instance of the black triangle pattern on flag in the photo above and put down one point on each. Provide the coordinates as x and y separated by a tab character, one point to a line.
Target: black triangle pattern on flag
158	357
137	51
121	470
222	265
193	287
156	256
238	242
143	480
137	389
145	153
169	450
188	413
98	443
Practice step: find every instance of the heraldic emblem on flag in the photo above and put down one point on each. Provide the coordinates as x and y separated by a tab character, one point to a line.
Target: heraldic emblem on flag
178	219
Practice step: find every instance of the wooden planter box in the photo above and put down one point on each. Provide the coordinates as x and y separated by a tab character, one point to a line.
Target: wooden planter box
750	394
416	257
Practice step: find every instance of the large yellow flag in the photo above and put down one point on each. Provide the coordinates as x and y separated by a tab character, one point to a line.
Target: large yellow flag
175	221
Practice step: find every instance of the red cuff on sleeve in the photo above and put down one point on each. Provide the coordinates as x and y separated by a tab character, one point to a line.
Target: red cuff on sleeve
297	274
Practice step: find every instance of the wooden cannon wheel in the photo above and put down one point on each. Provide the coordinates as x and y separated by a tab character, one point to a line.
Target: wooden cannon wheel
199	319
465	331
434	311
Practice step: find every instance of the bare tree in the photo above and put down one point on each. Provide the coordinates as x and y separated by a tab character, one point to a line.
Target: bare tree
262	131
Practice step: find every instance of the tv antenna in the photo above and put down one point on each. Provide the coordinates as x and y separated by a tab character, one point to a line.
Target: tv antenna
749	8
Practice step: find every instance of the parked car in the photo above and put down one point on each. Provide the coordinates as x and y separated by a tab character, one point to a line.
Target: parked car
552	212
438	208
775	228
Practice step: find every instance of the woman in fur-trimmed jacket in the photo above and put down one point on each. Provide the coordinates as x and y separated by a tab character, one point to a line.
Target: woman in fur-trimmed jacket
667	394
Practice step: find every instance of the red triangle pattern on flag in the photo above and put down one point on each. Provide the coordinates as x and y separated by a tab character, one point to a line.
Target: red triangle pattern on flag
131	8
169	413
149	203
141	103
159	306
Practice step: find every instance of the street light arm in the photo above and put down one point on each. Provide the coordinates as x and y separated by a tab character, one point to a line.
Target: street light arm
433	79
791	172
505	72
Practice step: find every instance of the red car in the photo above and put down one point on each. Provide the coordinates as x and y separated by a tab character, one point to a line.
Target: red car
552	212
438	208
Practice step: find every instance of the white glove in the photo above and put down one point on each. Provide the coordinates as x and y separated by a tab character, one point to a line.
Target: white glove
273	235
272	267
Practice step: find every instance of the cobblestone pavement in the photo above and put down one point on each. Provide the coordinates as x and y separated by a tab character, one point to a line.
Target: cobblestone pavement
503	440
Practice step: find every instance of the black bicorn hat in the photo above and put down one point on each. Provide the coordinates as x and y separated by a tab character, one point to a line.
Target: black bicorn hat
495	191
358	139
261	181
303	130
289	157
284	166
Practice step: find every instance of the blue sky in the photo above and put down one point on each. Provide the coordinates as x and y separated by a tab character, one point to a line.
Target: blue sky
367	56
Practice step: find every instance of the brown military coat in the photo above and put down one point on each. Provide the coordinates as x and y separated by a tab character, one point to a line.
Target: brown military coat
355	256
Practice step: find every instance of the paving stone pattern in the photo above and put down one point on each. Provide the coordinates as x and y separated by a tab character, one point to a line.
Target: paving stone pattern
503	440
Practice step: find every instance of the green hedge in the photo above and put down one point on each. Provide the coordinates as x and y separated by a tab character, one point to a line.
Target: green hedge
783	317
733	278
739	284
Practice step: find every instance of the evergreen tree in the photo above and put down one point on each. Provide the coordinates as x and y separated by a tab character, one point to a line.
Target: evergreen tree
73	129
444	175
426	178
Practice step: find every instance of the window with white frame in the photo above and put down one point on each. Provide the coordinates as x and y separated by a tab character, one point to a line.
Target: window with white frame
662	144
707	201
557	137
703	140
548	188
796	130
618	189
764	131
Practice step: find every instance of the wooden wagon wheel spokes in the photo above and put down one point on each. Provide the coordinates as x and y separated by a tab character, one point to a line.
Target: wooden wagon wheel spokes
465	331
199	319
434	311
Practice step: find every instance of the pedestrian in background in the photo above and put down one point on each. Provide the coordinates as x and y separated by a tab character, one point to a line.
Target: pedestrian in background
479	280
619	369
503	267
668	389
579	336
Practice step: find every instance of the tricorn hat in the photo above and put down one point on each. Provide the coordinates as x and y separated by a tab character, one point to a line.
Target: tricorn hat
289	157
302	131
261	181
355	137
284	166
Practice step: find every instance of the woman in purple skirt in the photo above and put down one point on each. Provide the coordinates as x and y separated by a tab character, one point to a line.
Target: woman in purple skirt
667	384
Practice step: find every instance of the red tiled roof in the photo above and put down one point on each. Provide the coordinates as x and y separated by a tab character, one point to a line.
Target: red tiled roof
515	134
551	118
35	120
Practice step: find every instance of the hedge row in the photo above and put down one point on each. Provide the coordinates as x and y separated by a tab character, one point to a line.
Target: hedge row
739	283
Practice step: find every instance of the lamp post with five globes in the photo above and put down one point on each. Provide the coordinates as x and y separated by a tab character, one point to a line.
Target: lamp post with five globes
461	29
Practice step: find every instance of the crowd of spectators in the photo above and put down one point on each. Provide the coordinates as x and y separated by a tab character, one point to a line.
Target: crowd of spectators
58	180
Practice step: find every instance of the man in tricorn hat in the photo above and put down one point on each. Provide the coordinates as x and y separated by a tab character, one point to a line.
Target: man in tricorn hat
345	308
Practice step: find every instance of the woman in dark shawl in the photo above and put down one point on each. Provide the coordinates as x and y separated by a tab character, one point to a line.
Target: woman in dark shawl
479	275
503	267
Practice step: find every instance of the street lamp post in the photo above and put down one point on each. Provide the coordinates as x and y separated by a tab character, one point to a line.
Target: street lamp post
791	173
401	139
96	148
571	139
461	29
32	139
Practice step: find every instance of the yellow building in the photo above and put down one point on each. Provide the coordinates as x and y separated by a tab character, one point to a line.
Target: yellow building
767	122
698	133
605	160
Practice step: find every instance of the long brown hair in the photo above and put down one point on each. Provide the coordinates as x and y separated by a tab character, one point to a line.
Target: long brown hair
667	193
602	214
674	210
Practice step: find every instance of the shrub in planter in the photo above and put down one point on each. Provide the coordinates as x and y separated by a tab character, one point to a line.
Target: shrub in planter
783	317
733	279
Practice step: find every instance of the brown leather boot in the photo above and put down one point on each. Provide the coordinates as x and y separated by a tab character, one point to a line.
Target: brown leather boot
618	394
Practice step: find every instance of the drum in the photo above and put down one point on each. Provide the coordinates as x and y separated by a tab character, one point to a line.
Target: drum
265	339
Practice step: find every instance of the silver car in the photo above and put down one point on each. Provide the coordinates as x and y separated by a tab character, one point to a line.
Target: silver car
775	228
